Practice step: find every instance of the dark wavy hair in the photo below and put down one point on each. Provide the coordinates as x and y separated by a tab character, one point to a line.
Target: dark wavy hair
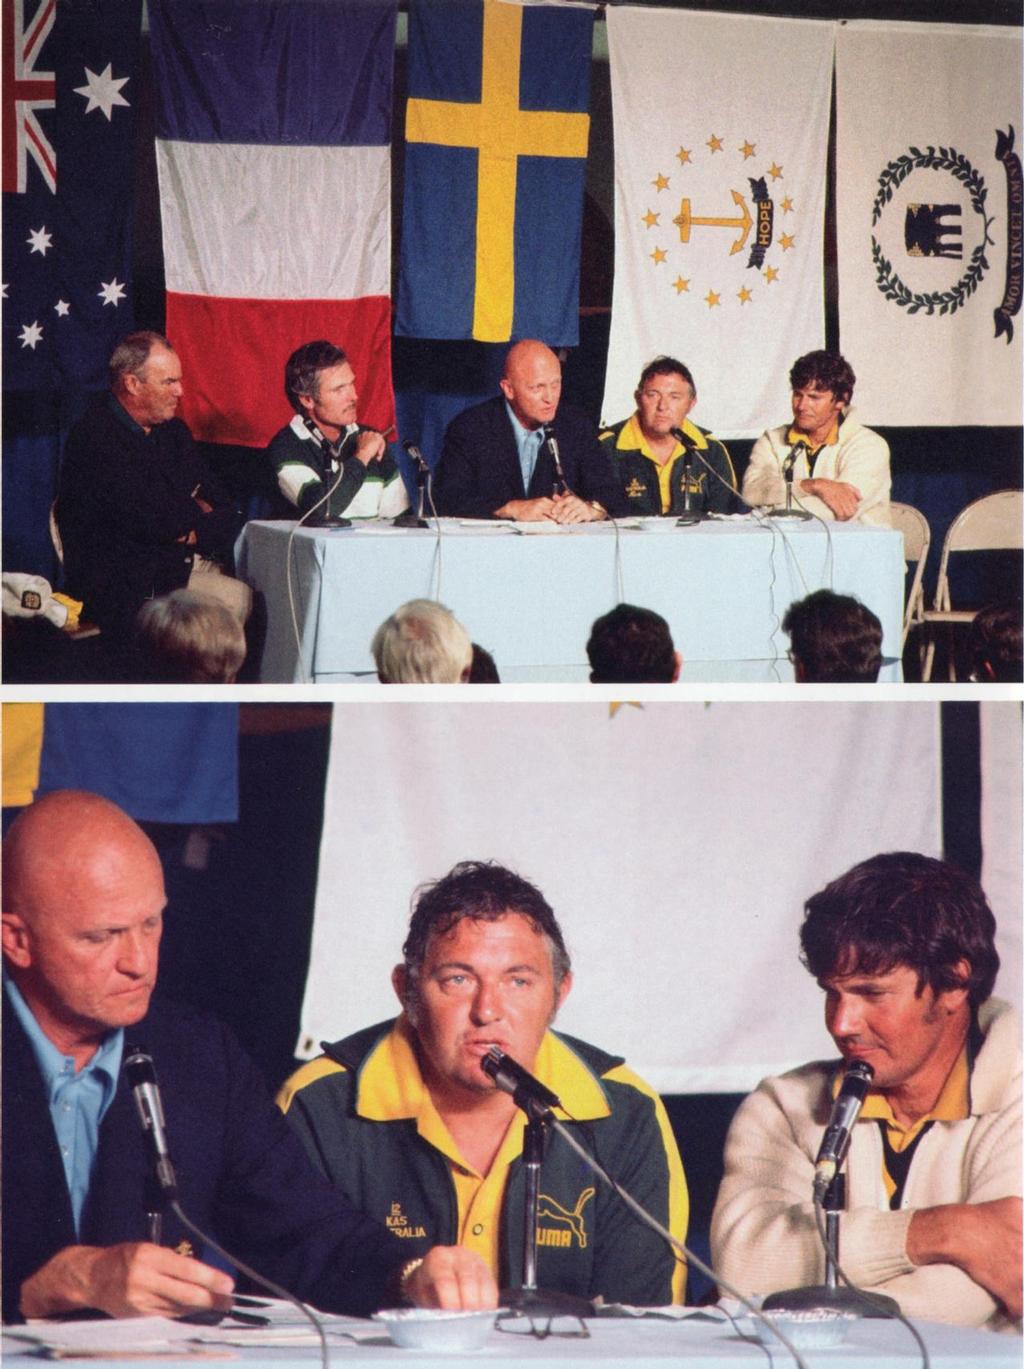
303	367
902	908
484	891
631	645
835	639
827	370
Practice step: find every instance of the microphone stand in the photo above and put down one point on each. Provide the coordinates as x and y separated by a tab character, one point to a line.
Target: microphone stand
529	1299
830	1295
689	515
787	474
410	519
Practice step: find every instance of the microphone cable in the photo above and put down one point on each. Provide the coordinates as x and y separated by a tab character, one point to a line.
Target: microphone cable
277	1289
335	453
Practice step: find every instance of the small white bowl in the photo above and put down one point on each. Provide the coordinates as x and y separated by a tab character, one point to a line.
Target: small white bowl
816	1328
429	1328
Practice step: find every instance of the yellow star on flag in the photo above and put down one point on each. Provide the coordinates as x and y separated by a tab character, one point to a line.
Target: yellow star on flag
715	143
683	155
650	218
786	205
743	295
771	273
786	241
613	708
748	150
775	171
712	299
658	256
660	182
681	284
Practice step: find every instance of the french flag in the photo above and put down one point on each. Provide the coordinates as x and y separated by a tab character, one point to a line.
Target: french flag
273	129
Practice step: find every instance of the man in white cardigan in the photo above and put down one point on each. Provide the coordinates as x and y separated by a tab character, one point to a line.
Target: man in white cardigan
903	947
840	469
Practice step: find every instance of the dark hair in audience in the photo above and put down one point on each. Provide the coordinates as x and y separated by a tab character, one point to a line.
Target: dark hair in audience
482	669
132	353
631	645
665	366
994	647
902	908
484	891
834	639
827	370
303	367
187	638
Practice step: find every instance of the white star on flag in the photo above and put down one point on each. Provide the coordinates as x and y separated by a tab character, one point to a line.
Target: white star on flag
31	333
62	307
40	240
103	91
112	292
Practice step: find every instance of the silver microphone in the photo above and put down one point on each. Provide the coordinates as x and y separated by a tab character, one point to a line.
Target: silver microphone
845	1111
138	1067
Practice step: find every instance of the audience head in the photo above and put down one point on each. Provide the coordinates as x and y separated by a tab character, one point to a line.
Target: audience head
532	382
484	891
903	909
483	669
834	639
188	638
994	645
422	643
632	645
145	377
824	371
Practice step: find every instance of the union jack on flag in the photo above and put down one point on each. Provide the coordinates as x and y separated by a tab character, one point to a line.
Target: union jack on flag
68	72
26	89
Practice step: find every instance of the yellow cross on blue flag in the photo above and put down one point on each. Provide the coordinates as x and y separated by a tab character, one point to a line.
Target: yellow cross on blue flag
495	159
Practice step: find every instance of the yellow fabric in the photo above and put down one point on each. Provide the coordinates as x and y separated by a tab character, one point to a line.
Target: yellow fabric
952	1105
22	750
502	132
794	435
74	608
631	438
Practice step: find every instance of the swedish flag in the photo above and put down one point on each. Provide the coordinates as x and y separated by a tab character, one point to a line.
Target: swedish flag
495	158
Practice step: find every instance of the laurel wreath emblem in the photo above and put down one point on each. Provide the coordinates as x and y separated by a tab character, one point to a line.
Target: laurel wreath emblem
886	277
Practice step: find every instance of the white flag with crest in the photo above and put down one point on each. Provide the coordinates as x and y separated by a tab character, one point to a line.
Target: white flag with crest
929	221
721	135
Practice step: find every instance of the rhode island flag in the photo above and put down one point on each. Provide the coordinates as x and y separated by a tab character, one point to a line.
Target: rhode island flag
495	158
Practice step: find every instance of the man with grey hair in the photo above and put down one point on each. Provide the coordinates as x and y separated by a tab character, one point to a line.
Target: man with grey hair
138	512
405	1122
422	643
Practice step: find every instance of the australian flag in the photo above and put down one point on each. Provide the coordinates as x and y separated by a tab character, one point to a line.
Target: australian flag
69	93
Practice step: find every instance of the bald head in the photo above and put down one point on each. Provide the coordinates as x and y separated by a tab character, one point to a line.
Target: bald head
83	898
532	382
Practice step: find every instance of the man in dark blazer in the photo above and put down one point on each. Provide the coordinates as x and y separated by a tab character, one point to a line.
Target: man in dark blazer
83	899
524	456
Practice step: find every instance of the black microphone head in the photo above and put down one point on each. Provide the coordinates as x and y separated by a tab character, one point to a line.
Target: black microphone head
138	1066
858	1076
491	1062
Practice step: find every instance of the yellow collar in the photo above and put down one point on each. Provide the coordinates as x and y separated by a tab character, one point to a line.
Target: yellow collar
391	1086
952	1105
794	436
632	437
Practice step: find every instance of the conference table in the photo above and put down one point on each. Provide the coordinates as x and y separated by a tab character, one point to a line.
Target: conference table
529	593
646	1343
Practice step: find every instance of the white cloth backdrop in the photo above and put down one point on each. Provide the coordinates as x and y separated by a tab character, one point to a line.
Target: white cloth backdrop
676	843
704	105
920	108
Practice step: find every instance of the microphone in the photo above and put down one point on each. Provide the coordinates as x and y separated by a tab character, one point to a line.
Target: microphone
792	458
561	484
845	1110
141	1075
685	441
529	1093
417	456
